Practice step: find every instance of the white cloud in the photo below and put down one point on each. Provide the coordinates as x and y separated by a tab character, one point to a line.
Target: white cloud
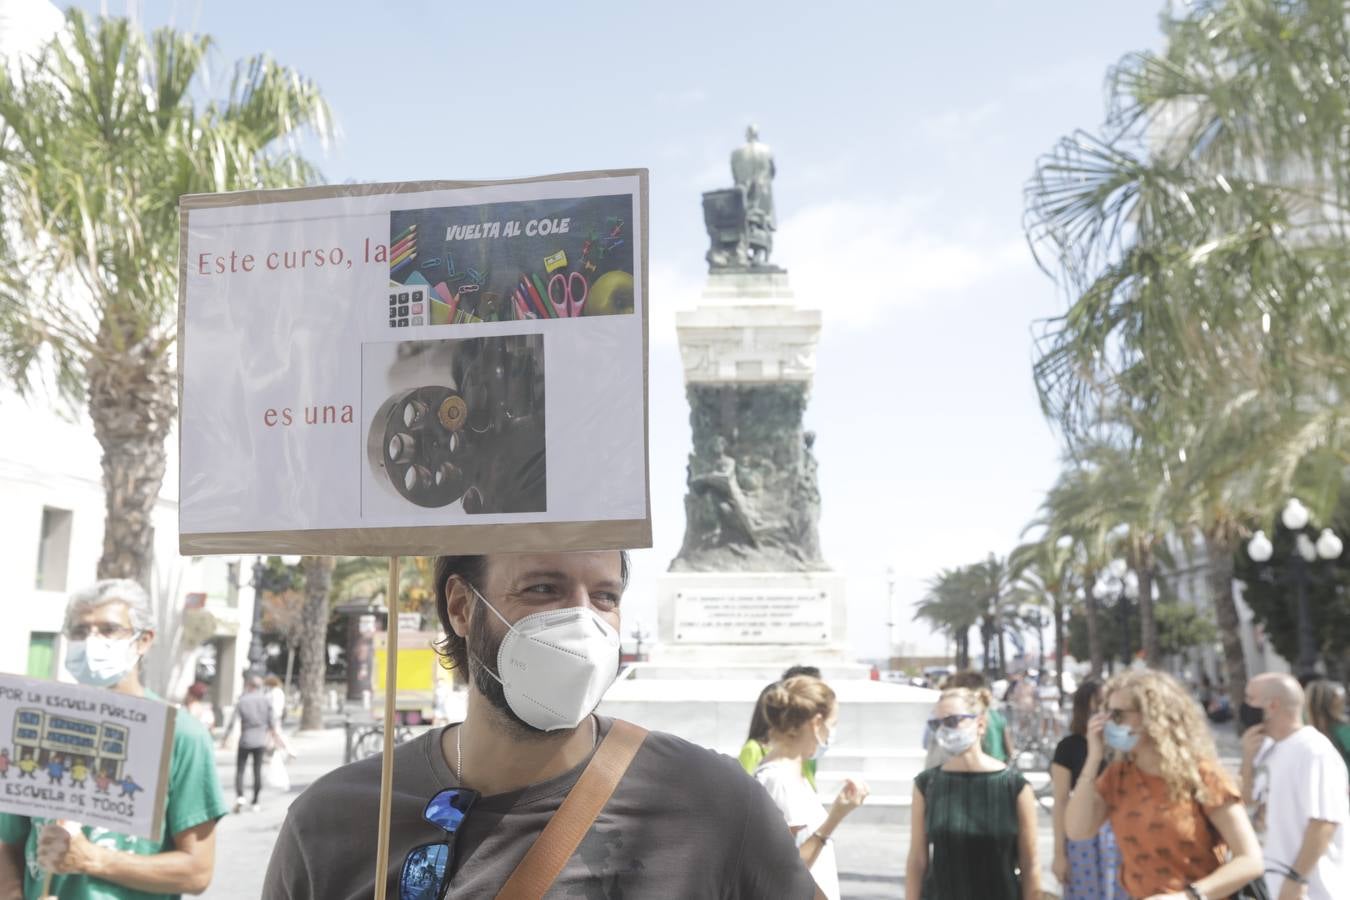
958	123
859	259
864	257
674	288
690	96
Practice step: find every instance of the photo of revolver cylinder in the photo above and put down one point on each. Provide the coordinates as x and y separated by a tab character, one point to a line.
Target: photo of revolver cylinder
476	435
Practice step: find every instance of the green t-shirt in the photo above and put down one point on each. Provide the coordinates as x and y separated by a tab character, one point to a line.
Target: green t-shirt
1340	736
753	752
994	727
193	797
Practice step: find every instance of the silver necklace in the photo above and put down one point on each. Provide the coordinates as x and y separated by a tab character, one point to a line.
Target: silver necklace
459	757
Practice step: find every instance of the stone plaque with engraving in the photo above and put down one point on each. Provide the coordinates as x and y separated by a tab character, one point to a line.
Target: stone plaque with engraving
757	616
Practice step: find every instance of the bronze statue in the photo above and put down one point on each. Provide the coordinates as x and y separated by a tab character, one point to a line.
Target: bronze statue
752	168
736	519
753	503
741	220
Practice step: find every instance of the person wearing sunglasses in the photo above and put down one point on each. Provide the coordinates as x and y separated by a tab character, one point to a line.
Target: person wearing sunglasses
1177	815
802	716
109	627
972	819
537	636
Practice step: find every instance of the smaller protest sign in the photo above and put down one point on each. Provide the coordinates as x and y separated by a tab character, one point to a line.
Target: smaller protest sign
86	754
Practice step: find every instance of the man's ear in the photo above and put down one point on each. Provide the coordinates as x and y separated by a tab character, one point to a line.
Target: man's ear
459	600
144	640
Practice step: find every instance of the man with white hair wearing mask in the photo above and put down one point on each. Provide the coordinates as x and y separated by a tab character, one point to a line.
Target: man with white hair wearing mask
1294	775
109	627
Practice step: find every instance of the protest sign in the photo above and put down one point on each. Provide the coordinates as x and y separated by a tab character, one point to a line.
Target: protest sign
90	755
415	368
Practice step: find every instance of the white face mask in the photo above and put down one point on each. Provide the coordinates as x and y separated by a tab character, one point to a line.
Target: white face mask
831	732
555	666
956	740
100	661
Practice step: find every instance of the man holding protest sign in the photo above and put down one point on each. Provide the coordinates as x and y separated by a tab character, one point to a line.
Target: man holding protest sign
110	627
655	816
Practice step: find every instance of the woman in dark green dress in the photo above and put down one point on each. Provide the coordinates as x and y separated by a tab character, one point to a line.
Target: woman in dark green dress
973	819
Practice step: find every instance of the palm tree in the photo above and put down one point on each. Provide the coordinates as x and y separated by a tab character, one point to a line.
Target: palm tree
1199	239
367	577
1043	573
314	638
1200	242
1249	457
98	139
1073	510
1129	488
993	580
953	605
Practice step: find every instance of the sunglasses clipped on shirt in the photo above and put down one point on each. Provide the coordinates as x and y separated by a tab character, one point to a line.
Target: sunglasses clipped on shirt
949	721
426	869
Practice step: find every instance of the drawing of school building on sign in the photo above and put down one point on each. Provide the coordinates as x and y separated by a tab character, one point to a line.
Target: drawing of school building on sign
42	736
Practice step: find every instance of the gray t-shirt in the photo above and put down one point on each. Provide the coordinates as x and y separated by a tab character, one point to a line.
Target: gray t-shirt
685	822
254	712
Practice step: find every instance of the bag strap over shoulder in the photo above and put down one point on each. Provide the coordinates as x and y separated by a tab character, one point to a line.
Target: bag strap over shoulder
549	853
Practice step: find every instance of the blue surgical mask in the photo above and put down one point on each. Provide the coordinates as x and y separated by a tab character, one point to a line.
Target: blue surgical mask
1119	737
823	746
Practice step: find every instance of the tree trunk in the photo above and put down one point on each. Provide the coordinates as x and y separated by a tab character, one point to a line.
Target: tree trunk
987	643
1093	630
1219	547
1059	646
314	639
1148	625
290	667
132	407
998	633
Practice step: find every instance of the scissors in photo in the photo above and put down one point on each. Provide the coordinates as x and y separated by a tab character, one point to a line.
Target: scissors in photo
569	305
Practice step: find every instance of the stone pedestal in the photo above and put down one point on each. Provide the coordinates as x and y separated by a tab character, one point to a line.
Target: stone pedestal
748	330
749	586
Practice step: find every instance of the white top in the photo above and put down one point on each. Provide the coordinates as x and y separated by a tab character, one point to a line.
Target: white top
277	697
1300	778
801	807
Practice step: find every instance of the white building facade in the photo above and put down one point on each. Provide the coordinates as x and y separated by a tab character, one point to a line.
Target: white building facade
51	537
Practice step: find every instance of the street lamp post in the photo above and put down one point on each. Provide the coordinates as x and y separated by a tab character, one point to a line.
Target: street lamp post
893	619
1119	586
1327	547
256	653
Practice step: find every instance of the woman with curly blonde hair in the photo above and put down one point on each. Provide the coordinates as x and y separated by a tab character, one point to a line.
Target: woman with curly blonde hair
1175	811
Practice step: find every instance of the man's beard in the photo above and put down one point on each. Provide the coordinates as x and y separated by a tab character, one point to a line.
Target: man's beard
483	647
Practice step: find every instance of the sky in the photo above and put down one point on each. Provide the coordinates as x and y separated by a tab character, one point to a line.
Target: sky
903	134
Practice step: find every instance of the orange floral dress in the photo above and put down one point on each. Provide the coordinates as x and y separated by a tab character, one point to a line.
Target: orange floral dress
1164	845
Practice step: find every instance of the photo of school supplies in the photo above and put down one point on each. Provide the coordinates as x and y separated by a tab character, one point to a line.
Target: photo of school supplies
407	305
403	248
569	300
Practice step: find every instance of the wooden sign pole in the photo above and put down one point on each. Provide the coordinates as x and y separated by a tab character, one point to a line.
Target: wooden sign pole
390	727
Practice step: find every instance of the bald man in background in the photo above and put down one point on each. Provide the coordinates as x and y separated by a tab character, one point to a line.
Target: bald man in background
1298	782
